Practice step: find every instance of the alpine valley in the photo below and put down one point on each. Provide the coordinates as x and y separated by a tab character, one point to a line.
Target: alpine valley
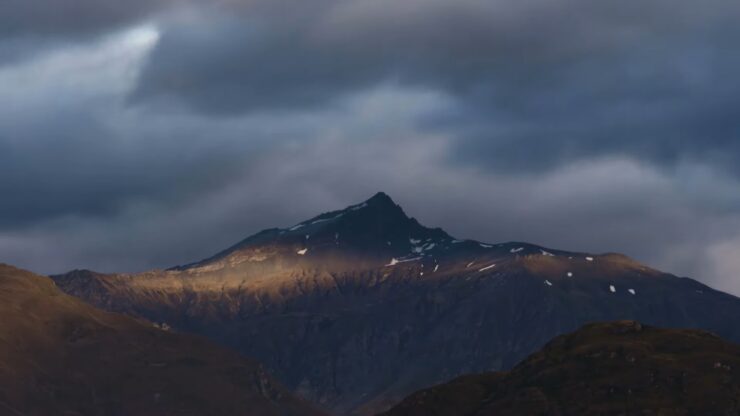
357	308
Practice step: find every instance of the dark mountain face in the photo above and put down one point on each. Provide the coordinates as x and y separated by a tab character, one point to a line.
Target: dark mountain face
375	229
61	356
356	308
618	368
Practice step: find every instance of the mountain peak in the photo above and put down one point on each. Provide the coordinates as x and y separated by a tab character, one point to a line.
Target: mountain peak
381	198
372	224
380	203
375	227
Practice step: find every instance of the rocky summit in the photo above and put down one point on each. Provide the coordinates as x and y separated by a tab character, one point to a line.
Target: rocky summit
356	308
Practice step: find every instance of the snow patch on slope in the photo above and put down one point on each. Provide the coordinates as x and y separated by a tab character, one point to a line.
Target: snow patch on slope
394	261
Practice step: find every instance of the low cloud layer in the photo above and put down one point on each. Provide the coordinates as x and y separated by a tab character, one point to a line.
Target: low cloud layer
160	132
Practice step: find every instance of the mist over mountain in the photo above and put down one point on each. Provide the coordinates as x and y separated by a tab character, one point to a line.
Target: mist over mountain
128	127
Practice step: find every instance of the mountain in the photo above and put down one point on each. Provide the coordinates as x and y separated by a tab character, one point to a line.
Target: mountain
61	356
355	309
616	368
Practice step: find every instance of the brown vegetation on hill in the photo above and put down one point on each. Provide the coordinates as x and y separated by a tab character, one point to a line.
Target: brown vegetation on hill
61	356
616	368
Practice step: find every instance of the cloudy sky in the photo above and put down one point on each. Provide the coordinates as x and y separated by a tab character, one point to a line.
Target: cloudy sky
149	133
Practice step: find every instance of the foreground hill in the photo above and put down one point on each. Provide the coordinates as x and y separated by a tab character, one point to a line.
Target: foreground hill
355	309
60	356
619	368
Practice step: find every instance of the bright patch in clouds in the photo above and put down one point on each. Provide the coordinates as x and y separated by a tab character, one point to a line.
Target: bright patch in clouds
109	65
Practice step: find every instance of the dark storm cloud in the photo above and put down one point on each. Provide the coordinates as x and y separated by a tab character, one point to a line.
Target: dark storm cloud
45	18
83	176
538	82
68	149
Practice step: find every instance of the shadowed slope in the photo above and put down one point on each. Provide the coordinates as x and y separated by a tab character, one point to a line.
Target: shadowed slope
617	368
60	356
